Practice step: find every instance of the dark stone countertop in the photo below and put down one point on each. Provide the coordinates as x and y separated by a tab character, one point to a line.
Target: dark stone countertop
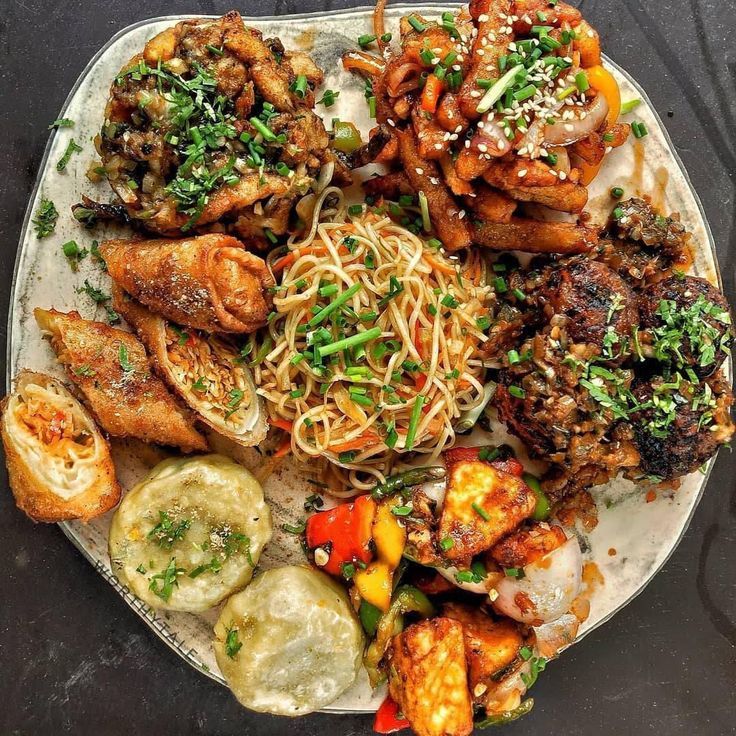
75	659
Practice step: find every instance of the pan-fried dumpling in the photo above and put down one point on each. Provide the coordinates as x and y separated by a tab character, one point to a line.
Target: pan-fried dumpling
290	643
111	369
59	464
190	534
204	370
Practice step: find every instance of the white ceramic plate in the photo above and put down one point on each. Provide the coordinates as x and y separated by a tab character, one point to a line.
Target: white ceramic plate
643	534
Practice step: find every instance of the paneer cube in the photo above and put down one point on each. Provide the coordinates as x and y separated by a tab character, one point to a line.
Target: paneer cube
428	678
482	505
491	647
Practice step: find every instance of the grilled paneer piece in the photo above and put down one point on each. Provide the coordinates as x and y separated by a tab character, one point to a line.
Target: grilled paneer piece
428	678
525	546
482	504
491	647
682	424
687	322
595	301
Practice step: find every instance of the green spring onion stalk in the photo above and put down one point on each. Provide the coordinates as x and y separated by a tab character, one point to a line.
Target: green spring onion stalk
407	479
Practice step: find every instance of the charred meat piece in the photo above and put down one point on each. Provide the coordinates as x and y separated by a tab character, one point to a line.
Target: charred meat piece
687	323
681	424
599	306
428	678
636	219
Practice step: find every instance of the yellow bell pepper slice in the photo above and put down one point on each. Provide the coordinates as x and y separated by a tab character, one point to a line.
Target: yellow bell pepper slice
603	82
374	584
388	535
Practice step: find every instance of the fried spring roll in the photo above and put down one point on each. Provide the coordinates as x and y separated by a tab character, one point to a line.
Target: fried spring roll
59	465
205	371
532	236
111	369
209	282
424	176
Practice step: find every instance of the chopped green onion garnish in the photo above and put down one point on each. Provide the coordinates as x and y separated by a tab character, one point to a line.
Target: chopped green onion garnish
366	40
581	82
424	206
639	130
416	24
334	305
446	544
630	106
359	338
517	391
495	92
617	192
299	88
416	414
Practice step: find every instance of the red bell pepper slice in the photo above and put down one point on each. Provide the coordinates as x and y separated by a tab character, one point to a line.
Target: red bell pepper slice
345	532
388	719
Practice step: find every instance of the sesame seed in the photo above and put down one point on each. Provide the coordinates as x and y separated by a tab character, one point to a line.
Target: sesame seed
562	176
461	214
483	18
522	173
459	129
475	93
467	144
419	171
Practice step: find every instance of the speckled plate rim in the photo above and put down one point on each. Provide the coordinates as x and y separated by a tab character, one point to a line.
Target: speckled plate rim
71	534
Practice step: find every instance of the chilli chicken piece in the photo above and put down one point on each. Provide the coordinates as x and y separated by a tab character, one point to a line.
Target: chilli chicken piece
506	98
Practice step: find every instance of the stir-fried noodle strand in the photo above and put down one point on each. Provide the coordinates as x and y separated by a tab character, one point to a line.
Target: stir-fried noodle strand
374	347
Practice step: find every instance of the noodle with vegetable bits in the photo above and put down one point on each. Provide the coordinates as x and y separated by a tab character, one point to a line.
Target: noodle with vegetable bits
374	347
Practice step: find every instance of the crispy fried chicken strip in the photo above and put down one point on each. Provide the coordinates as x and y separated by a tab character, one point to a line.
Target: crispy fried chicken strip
533	236
490	17
563	197
428	678
209	282
447	218
111	369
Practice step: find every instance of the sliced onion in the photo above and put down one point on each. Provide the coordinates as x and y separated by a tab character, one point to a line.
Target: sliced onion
490	135
557	635
588	120
325	177
563	159
548	588
489	581
396	77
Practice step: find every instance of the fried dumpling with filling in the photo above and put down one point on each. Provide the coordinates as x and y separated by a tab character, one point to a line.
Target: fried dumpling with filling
208	282
59	464
111	369
204	370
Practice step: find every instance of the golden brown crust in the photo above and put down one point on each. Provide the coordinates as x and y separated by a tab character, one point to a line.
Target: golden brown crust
111	369
152	331
491	647
482	504
428	678
209	282
31	490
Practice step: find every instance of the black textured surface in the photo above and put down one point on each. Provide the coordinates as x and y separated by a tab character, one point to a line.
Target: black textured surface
75	659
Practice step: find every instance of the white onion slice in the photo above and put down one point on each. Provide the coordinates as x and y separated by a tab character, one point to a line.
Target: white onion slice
589	119
548	588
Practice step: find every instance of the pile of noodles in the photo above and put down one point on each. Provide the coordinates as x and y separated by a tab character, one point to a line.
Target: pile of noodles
416	326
